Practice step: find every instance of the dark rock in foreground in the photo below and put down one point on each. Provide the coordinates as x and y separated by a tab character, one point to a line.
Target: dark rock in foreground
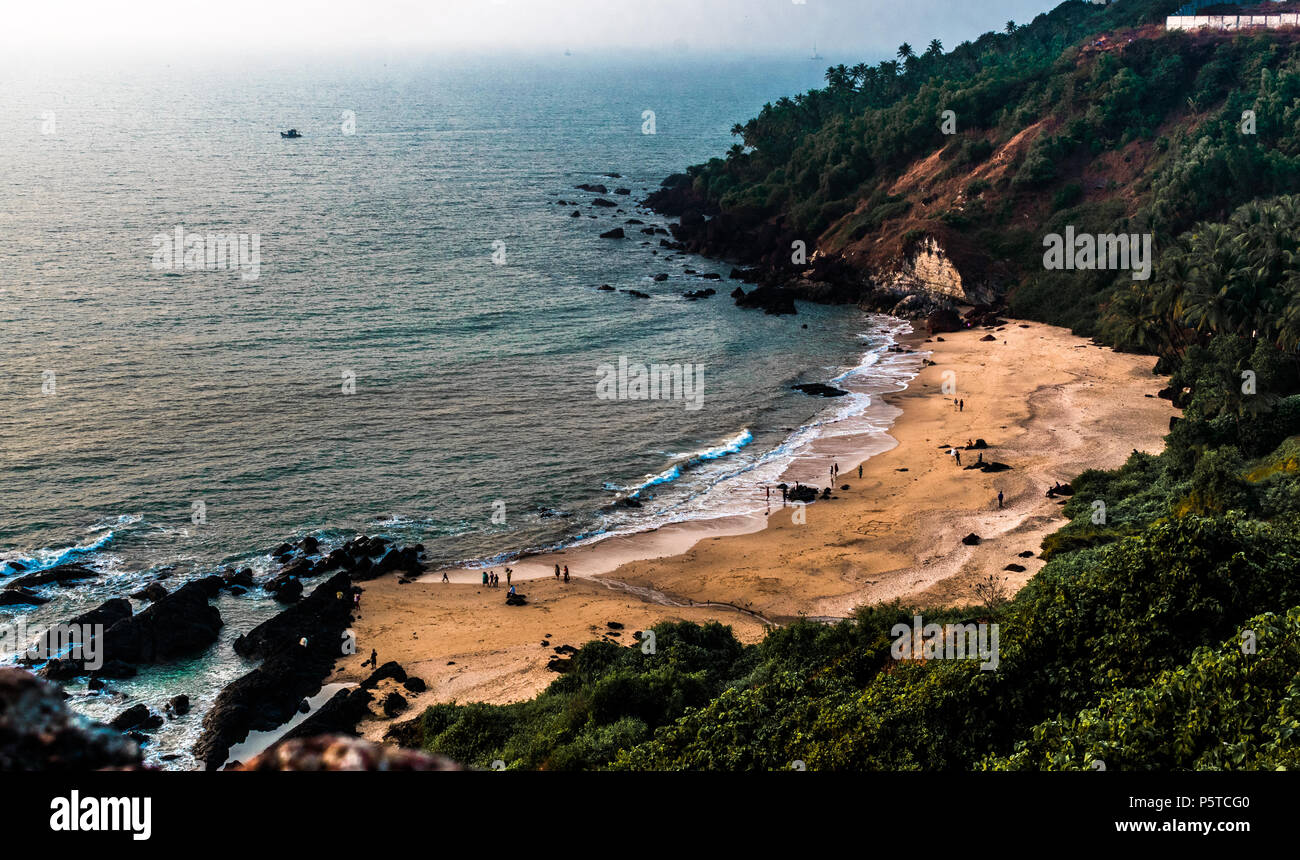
343	753
39	733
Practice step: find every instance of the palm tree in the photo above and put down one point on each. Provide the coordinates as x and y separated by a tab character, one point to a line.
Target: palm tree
905	51
936	48
1011	27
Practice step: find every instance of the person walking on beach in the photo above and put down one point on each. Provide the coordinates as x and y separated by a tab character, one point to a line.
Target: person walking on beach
566	573
956	453
961	405
485	577
999	498
509	572
859	470
374	658
557	573
444	577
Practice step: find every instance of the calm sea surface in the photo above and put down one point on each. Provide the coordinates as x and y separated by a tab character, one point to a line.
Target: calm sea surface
419	347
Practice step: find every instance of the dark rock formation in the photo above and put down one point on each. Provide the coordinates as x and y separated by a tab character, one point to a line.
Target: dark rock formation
773	300
39	733
339	715
819	389
802	494
392	669
20	597
616	233
152	592
394	704
180	624
943	320
61	575
268	696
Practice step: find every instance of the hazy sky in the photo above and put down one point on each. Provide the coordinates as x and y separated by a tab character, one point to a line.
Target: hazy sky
856	27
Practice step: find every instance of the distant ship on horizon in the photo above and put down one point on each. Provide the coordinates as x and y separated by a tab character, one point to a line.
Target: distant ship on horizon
815	55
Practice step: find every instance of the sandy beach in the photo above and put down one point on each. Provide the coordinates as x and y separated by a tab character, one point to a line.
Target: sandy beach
1048	405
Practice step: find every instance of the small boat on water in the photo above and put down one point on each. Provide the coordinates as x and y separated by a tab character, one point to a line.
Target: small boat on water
291	133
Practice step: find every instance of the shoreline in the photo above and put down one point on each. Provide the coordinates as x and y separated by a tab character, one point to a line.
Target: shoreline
603	553
1048	404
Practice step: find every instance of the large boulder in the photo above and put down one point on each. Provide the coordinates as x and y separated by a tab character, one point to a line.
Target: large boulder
943	320
179	625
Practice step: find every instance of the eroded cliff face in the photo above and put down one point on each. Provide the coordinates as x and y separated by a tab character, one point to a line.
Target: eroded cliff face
927	268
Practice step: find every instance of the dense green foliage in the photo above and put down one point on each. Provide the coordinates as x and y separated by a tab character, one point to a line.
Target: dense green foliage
1164	630
1147	139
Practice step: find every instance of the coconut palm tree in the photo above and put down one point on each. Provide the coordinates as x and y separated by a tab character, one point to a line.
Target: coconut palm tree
905	51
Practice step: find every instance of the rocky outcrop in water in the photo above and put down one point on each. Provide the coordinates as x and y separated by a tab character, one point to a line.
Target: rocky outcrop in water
298	648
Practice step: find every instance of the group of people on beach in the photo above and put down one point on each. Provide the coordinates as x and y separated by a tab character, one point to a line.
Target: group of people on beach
557	573
490	578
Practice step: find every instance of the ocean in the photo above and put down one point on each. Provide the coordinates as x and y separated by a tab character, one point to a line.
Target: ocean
409	339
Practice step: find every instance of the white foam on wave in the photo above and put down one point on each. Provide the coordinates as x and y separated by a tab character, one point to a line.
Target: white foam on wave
105	532
737	490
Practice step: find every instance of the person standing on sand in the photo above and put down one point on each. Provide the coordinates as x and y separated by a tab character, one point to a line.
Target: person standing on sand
956	452
374	658
961	405
509	572
557	573
999	498
485	578
566	573
859	470
444	577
